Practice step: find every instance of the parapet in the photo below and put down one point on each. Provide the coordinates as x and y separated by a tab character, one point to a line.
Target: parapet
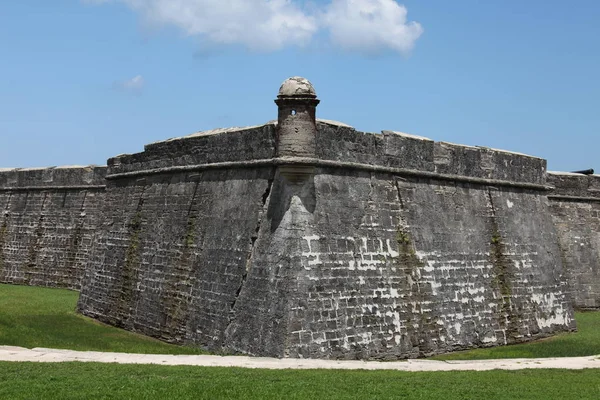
209	147
70	176
298	142
342	143
399	150
487	163
569	185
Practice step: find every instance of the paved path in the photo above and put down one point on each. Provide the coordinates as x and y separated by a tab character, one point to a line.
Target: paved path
10	353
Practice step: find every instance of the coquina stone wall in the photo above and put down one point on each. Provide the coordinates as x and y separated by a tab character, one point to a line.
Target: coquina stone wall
575	207
174	251
362	263
48	217
336	244
307	238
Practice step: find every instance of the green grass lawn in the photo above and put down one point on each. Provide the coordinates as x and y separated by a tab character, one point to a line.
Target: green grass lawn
39	317
111	381
43	317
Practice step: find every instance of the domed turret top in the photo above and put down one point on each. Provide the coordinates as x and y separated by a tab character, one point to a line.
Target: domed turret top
297	86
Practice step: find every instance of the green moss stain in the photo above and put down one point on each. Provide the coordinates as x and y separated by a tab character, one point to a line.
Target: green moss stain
130	266
190	233
177	293
32	267
3	231
402	237
502	276
74	244
132	254
496	238
421	324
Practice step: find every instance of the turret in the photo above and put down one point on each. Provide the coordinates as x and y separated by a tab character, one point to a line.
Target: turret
297	128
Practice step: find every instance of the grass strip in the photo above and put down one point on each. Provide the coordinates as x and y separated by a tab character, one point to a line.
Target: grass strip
112	381
45	317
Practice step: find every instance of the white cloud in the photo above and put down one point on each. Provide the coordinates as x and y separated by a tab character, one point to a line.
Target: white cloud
134	85
262	25
270	25
370	26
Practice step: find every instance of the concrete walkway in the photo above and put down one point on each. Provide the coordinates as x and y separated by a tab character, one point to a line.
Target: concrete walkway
11	353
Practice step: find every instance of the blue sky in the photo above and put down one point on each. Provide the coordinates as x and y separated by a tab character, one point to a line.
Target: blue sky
86	80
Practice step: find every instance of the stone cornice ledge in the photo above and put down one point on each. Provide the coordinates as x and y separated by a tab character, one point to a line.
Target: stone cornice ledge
328	164
50	187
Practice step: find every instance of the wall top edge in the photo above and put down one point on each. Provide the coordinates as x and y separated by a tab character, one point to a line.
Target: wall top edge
333	123
327	122
216	131
575	174
62	176
486	148
406	135
336	141
59	167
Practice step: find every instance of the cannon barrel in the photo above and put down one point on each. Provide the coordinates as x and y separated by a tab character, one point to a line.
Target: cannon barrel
585	172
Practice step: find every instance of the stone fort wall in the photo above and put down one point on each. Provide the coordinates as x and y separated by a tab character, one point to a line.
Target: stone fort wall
48	218
395	246
174	250
304	238
575	207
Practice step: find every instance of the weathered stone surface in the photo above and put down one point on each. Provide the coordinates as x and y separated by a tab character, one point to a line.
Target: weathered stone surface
307	238
338	262
172	255
483	162
48	217
575	207
221	145
360	265
297	86
390	149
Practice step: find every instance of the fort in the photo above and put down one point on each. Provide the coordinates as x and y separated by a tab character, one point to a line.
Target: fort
307	238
